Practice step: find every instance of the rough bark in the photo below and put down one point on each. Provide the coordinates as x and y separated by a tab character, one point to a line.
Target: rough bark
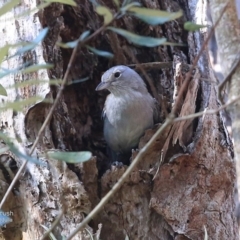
192	189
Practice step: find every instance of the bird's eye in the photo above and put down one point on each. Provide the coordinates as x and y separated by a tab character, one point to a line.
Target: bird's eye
117	74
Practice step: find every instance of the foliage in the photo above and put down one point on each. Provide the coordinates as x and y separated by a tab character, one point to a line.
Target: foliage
149	16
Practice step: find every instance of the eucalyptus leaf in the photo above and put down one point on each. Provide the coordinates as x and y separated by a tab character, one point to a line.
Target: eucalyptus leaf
28	11
84	35
4	52
8	6
116	3
36	67
3	91
137	39
71	44
125	2
79	80
35	82
191	27
5	72
20	105
70	157
67	2
175	44
153	16
124	8
15	150
31	45
100	52
41	36
106	13
4	218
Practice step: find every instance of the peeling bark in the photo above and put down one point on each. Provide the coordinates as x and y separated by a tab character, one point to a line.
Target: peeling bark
192	189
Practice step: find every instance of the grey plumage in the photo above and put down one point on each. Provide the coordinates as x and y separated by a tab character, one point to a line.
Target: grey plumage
128	110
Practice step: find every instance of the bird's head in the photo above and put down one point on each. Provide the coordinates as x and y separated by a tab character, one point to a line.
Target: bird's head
120	80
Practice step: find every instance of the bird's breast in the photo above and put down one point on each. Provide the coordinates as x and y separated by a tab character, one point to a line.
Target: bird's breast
126	120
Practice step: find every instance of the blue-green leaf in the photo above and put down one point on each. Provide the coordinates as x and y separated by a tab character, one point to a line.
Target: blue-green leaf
67	2
70	157
153	16
79	80
41	36
21	104
15	150
191	27
139	40
8	6
31	45
71	44
100	52
36	67
84	35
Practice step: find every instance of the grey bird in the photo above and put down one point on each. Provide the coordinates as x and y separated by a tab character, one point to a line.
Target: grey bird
128	110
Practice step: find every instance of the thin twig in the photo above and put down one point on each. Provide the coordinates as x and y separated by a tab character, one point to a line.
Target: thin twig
151	65
236	63
104	200
53	107
145	149
212	111
196	59
55	223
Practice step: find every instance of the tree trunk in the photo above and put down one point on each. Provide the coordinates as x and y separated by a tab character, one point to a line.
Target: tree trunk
193	189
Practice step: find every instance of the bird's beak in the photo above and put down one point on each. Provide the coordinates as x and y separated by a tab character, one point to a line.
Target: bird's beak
102	85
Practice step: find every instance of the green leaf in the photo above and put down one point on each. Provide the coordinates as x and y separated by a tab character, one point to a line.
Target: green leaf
20	105
175	44
4	218
126	2
79	80
139	40
36	67
35	82
28	11
8	6
5	72
191	27
3	91
100	52
4	52
105	12
152	16
84	35
67	2
124	8
71	44
70	157
15	150
116	3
